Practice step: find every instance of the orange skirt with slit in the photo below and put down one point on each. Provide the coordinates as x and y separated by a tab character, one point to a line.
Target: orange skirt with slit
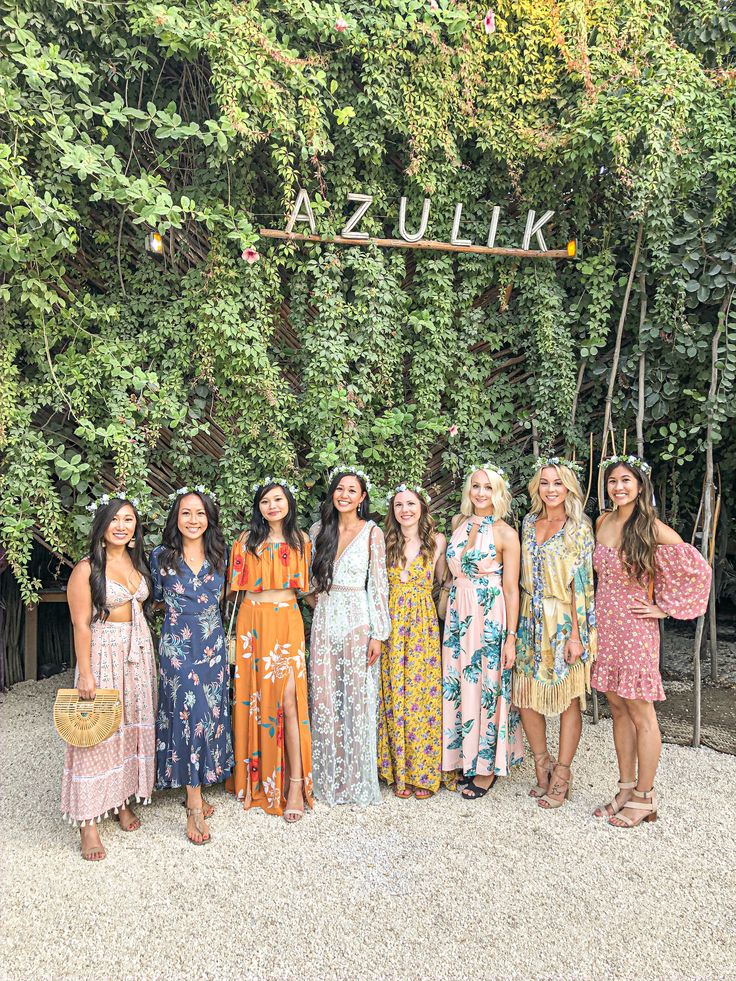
270	648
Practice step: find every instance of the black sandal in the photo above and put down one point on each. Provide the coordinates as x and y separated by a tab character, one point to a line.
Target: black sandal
477	792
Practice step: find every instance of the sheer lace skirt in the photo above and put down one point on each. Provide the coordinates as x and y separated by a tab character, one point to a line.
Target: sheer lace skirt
343	701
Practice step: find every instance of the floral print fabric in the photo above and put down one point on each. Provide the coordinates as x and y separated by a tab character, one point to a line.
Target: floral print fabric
193	740
628	650
409	727
481	729
102	778
343	690
543	680
270	647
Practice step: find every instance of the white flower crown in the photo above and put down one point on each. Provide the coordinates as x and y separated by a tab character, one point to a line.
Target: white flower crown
354	471
281	481
419	491
106	498
558	461
199	489
630	461
491	468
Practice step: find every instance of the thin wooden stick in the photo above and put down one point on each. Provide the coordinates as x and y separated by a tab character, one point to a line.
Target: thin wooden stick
399	243
642	368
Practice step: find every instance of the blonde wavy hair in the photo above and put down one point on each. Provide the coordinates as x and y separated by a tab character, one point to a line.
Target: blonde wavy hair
500	494
395	555
573	502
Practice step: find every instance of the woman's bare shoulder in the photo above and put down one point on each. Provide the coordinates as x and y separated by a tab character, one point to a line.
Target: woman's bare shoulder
666	535
458	519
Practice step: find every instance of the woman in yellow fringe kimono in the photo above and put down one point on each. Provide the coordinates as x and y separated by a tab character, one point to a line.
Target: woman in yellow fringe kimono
272	741
557	640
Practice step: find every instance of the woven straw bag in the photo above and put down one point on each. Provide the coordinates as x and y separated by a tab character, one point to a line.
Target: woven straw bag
87	722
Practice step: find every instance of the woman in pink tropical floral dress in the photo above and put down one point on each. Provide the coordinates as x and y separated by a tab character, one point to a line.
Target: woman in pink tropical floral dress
481	728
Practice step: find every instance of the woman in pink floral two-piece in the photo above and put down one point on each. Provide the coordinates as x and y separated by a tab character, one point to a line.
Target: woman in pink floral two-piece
645	572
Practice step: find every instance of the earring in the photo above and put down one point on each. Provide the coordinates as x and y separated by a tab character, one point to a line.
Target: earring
104	544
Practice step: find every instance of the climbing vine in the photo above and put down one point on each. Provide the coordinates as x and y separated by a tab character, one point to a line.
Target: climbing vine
226	356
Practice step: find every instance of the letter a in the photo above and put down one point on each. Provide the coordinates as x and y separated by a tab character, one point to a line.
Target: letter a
413	236
302	200
534	228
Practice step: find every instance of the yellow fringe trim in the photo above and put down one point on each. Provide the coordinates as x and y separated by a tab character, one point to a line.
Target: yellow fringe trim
552	699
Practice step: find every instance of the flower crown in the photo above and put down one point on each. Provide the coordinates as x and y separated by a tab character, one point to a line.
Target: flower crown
558	461
355	471
281	481
491	468
106	498
630	461
419	491
199	489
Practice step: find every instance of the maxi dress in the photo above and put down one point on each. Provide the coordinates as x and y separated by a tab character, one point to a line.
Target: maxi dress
410	714
481	728
343	689
628	646
103	778
270	648
543	680
193	738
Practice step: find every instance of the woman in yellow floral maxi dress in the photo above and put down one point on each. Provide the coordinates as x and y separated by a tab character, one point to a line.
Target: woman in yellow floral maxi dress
410	714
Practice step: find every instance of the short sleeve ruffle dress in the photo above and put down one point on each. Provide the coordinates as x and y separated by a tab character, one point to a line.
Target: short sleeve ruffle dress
628	647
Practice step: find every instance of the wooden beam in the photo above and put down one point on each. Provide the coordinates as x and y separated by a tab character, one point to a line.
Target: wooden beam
399	243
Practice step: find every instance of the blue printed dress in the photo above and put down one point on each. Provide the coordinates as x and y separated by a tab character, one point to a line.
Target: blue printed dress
193	740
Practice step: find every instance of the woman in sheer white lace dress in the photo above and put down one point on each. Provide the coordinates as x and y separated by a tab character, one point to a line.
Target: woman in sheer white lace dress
350	621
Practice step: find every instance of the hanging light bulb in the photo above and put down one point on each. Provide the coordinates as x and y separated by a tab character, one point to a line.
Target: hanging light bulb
154	243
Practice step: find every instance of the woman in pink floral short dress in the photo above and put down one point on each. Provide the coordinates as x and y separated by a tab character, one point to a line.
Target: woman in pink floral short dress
645	573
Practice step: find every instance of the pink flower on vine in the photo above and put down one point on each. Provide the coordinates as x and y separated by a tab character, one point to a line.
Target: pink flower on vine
452	430
433	5
250	255
341	25
489	21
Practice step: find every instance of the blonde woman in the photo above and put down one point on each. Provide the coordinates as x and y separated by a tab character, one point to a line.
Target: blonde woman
481	731
410	709
557	640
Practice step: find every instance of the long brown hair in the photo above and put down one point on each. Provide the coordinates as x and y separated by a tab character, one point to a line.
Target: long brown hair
395	555
639	536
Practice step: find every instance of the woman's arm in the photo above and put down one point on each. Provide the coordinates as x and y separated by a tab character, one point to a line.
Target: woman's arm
510	558
440	562
79	597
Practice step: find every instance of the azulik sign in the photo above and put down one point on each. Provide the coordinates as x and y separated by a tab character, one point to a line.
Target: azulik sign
350	235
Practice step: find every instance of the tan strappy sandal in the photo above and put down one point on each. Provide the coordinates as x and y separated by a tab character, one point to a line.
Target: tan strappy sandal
293	814
557	783
196	813
614	804
538	790
648	809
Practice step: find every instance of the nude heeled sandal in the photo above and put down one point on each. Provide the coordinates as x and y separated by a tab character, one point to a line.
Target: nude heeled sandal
649	807
613	804
548	803
550	765
196	813
293	814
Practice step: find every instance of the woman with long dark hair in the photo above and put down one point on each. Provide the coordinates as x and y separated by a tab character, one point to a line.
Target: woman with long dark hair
410	712
193	741
114	649
269	564
645	573
350	620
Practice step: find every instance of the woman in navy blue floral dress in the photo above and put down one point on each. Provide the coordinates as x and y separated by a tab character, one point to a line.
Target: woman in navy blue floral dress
193	739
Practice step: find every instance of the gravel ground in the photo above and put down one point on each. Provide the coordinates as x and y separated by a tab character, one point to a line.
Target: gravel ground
440	890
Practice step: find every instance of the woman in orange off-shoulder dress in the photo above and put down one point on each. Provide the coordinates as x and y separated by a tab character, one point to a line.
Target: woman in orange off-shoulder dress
272	743
645	572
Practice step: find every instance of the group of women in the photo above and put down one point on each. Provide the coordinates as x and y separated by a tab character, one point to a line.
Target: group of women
382	694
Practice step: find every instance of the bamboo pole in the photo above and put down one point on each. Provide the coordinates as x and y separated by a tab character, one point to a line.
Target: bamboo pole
399	243
642	368
708	496
620	332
